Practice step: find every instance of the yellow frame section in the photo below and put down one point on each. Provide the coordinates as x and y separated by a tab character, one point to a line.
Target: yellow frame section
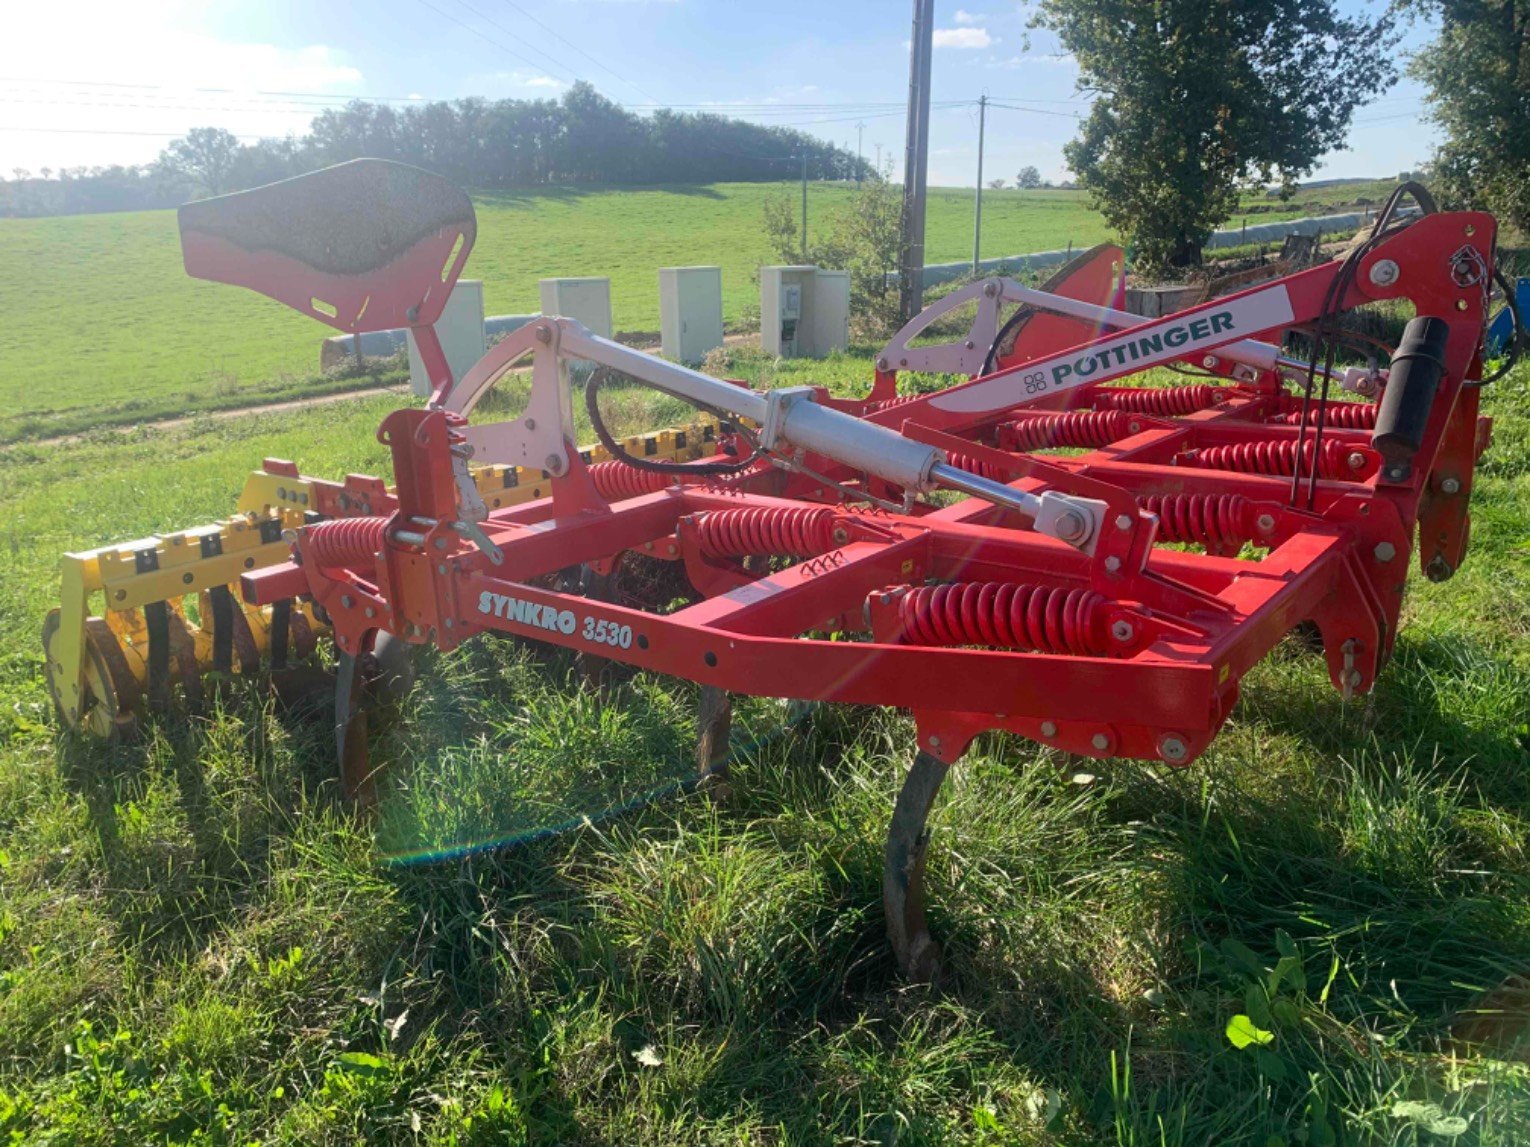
181	566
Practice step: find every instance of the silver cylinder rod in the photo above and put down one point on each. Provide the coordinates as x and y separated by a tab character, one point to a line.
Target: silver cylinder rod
948	476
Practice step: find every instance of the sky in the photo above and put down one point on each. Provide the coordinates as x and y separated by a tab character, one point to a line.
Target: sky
87	82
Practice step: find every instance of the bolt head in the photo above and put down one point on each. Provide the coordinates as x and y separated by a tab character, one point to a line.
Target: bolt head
1356	460
1100	741
1070	526
1451	486
934	742
1122	630
1172	749
1049	728
1112	563
1384	272
544	334
1124	522
346	601
1385	551
554	464
1209	361
1265	523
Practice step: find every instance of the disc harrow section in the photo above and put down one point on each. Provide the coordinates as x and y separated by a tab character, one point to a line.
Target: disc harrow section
171	610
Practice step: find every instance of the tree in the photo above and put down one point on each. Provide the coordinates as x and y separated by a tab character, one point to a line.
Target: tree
1028	178
861	236
206	155
1478	72
996	184
1197	98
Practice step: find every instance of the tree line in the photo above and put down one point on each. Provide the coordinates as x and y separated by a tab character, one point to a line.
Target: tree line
580	138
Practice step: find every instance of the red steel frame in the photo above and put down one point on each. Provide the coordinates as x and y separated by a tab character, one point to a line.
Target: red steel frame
1179	628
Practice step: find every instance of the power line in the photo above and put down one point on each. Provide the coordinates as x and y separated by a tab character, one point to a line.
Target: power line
1034	111
484	36
581	51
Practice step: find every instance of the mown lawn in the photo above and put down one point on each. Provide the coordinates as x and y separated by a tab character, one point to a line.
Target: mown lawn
199	942
102	326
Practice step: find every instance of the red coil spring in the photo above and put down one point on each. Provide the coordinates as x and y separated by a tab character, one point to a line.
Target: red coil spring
784	531
1210	519
344	542
977	466
1278	457
887	403
1167	400
1341	415
615	480
1004	615
1088	428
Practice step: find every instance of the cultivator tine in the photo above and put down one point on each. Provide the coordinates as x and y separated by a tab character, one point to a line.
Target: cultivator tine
715	722
156	617
351	732
223	629
183	650
908	839
281	625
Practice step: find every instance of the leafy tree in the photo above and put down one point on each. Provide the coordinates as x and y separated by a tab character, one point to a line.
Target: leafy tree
205	155
1029	177
997	184
861	236
1478	72
1197	98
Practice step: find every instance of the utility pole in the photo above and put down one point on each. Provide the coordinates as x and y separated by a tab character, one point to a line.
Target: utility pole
879	158
804	207
860	132
916	162
977	215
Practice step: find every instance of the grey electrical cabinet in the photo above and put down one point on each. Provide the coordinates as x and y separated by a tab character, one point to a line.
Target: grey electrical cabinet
690	312
804	311
461	331
587	301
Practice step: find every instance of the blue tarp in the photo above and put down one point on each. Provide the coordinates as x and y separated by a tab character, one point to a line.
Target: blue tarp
1501	330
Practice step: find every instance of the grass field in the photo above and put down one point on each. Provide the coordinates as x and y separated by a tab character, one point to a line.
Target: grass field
103	327
199	943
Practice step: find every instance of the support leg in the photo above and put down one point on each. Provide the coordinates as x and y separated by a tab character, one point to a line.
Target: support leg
919	956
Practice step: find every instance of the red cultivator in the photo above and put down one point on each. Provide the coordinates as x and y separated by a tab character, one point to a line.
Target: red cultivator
1044	603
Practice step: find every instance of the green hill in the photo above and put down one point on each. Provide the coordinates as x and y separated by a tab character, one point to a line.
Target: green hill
102	326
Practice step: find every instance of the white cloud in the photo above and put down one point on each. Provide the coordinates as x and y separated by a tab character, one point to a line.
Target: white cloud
963	38
965	17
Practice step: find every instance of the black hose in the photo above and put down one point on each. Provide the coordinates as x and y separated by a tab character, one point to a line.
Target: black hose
614	448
